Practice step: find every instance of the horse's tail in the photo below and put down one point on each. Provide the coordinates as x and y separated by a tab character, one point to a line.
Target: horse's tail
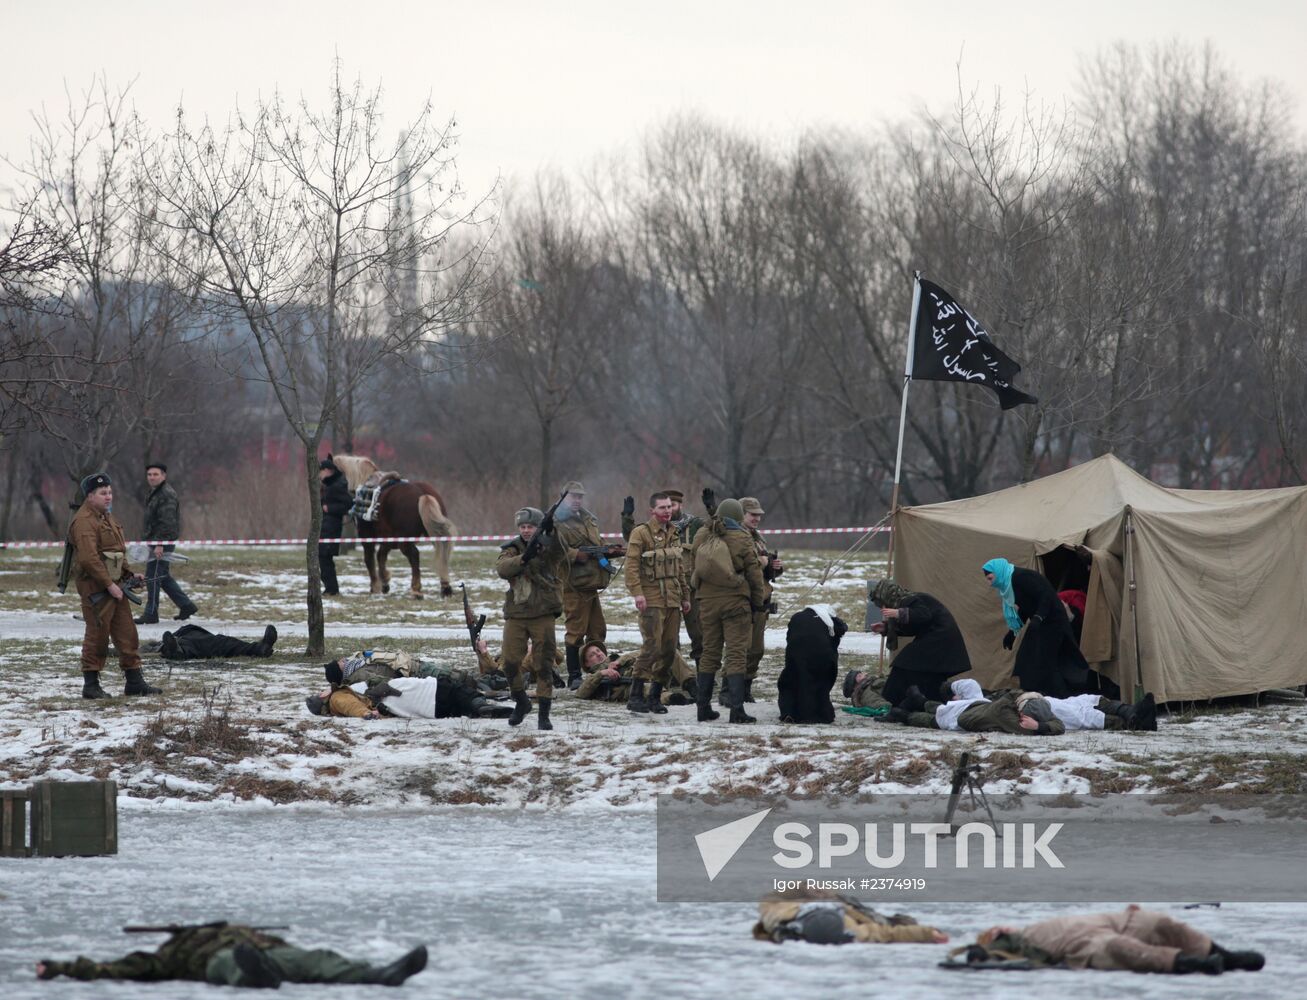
437	524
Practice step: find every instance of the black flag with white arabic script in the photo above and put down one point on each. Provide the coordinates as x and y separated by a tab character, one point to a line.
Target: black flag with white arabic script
952	346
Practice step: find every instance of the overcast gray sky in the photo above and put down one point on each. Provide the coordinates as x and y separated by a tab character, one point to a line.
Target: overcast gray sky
557	83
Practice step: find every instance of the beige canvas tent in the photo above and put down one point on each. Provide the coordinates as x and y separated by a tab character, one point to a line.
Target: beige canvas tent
1191	593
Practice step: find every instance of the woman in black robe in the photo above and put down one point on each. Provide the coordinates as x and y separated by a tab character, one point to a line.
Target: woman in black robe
937	650
812	662
1049	659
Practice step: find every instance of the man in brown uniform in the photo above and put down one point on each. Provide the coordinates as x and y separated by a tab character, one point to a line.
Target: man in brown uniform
99	568
531	566
771	569
728	599
608	676
656	580
1135	939
584	575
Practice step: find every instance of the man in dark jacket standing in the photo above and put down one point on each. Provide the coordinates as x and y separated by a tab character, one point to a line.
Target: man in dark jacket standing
163	525
336	503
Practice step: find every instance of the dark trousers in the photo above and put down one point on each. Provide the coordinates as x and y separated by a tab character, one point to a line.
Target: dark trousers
327	567
899	680
158	576
195	643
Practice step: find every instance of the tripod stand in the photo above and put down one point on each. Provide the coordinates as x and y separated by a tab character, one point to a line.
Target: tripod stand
968	774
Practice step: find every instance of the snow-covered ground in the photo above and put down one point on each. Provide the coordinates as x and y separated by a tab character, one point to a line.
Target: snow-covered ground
516	904
525	859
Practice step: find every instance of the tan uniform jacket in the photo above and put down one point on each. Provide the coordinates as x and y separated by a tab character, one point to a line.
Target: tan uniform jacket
92	534
349	703
653	565
582	528
533	590
744	560
592	685
773	914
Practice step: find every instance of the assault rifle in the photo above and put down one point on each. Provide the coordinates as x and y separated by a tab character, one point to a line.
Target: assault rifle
602	553
475	623
213	924
129	591
546	527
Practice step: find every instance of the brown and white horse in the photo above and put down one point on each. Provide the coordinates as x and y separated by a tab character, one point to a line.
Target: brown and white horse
406	509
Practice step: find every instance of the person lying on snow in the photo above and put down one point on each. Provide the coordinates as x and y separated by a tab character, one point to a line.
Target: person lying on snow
431	691
190	642
968	710
823	917
607	676
226	954
1135	939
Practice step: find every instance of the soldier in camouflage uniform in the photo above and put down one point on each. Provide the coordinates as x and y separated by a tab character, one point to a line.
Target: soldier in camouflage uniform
234	955
531	604
655	579
585	574
99	568
726	609
771	569
608	676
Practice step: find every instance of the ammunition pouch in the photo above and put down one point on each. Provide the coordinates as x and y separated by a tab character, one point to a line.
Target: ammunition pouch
114	564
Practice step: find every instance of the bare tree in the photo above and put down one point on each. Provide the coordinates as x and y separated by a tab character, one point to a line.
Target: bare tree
554	314
287	219
97	344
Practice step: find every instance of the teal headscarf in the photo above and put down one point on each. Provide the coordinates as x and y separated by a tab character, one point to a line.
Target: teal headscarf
1002	570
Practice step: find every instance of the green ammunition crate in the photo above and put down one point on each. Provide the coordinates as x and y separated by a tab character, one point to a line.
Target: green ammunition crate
74	818
13	824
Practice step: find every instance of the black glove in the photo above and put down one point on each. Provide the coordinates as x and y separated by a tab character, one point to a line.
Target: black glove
628	507
379	690
709	500
1009	639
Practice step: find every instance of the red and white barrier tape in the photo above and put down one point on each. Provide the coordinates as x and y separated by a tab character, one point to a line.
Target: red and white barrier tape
217	542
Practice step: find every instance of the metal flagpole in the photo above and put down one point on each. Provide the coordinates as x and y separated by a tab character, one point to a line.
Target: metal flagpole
903	411
903	422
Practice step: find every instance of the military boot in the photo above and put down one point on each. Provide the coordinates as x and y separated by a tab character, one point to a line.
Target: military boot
655	699
748	690
703	697
397	971
913	700
1143	717
136	683
264	646
91	685
1212	965
542	721
573	655
635	702
736	683
1249	961
521	708
146	619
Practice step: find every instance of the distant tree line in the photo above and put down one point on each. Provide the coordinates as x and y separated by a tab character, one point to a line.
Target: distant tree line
713	310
